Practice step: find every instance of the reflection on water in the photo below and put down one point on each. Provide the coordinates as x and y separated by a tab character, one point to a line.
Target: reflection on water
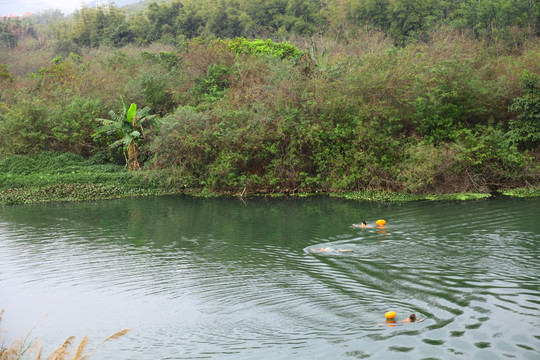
217	278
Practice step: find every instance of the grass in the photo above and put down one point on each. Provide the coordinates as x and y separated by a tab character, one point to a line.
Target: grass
27	348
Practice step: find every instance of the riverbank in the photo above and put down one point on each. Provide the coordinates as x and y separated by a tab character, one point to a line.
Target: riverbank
59	177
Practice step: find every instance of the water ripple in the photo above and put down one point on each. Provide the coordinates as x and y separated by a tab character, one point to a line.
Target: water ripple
219	279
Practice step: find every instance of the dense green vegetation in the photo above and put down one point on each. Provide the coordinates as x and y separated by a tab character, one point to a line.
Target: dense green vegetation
50	176
401	96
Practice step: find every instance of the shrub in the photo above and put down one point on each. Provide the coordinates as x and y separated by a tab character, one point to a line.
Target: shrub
5	75
525	128
212	86
153	87
181	143
487	159
24	127
282	50
36	125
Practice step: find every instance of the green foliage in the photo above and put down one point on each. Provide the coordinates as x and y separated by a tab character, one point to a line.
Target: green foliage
8	40
403	19
357	113
60	73
125	129
153	87
490	19
72	125
182	143
226	22
453	99
33	126
489	159
172	22
406	20
525	128
52	176
410	19
213	85
282	50
530	191
95	26
12	31
65	47
5	75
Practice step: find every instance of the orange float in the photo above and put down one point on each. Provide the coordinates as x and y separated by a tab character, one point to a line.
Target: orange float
390	315
380	222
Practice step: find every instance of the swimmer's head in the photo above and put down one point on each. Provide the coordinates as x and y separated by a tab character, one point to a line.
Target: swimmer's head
412	317
364	223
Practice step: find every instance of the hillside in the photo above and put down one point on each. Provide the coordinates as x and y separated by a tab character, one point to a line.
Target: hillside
346	96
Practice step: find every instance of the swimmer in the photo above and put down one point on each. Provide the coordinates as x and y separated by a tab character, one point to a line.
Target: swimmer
392	321
411	318
326	249
362	225
329	249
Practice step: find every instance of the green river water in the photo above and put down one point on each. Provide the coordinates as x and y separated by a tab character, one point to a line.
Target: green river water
226	279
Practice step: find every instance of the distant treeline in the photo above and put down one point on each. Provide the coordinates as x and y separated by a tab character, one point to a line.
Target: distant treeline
176	20
411	96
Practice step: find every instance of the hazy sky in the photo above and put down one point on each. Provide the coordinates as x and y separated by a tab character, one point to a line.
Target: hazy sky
18	7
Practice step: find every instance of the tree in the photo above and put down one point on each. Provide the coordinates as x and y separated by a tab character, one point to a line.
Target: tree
102	25
410	18
487	18
127	128
371	12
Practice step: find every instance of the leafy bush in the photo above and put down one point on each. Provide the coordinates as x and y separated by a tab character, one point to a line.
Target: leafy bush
72	125
24	128
65	47
282	50
525	128
213	85
5	75
181	143
36	125
486	159
153	87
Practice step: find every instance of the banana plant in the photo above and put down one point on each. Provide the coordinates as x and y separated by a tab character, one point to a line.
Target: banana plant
127	128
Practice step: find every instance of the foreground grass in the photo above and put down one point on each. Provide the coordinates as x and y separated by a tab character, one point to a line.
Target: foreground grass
57	177
27	348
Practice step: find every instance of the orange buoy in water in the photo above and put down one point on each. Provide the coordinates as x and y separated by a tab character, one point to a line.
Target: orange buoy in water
390	315
380	222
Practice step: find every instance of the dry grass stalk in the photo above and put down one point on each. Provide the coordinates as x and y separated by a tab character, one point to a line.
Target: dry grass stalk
116	335
34	348
22	348
38	357
112	337
80	349
62	351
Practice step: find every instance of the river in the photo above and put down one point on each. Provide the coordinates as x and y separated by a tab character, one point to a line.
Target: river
226	279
